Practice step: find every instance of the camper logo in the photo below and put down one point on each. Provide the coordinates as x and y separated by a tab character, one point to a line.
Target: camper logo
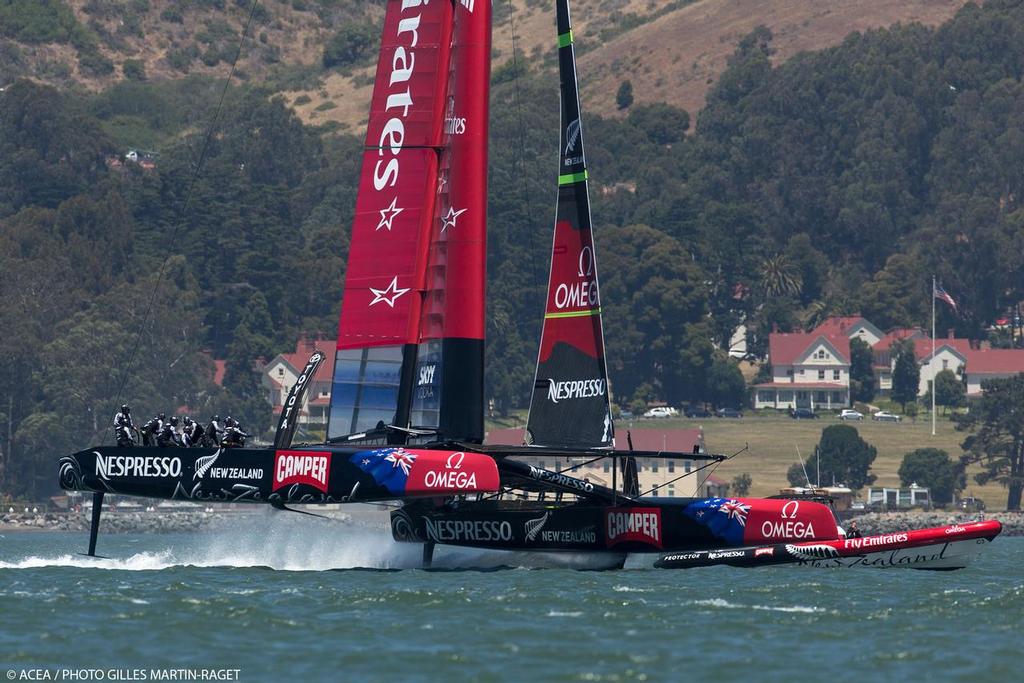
302	467
638	525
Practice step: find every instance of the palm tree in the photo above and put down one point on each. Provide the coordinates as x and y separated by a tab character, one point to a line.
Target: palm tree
779	277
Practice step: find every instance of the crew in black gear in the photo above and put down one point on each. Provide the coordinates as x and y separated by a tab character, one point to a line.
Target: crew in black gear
151	430
123	427
211	439
234	437
193	433
169	434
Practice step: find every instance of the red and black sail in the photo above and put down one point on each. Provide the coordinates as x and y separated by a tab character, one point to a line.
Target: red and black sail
410	339
571	405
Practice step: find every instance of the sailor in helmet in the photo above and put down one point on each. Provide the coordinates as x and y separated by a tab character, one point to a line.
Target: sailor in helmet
123	427
234	437
211	439
169	434
151	430
191	433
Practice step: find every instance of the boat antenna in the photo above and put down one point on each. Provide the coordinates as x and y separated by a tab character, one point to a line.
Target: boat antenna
183	210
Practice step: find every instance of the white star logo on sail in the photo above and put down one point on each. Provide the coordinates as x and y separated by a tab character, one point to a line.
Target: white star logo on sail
387	215
388	295
452	218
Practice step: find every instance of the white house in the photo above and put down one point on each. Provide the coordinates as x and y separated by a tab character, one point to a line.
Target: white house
280	373
983	364
809	370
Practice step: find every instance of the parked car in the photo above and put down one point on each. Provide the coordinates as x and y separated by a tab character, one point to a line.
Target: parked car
661	411
851	414
803	414
728	412
970	504
625	414
697	411
885	416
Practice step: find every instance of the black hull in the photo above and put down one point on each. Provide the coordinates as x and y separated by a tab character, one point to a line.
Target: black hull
653	526
303	475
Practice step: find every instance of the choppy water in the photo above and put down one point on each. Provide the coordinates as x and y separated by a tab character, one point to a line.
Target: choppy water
213	600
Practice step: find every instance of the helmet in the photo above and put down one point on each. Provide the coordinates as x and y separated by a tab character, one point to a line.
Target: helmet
230	422
125	408
215	418
188	420
161	416
174	419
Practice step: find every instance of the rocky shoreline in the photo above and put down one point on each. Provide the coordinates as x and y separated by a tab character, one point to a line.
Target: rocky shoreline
888	522
181	521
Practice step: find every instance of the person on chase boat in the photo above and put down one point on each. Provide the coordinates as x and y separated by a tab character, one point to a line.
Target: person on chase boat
123	427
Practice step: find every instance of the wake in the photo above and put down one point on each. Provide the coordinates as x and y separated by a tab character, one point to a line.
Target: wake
270	539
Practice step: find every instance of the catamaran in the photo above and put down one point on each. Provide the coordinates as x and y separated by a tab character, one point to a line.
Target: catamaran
407	402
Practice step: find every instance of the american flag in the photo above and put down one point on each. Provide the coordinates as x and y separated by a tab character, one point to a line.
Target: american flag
942	295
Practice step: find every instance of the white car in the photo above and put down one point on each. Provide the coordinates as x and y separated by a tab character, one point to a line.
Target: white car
885	416
850	414
661	411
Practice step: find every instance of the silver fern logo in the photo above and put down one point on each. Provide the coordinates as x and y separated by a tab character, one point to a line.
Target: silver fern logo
572	136
533	526
204	464
809	553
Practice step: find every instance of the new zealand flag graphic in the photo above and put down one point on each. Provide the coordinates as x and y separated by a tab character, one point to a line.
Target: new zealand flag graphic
725	517
389	467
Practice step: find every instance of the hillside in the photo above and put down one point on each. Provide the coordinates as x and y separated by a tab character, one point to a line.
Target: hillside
92	45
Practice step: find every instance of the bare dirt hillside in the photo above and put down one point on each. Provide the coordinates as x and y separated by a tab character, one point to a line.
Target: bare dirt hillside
671	50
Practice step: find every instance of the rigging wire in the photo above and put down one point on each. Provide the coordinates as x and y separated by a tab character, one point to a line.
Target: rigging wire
520	155
183	212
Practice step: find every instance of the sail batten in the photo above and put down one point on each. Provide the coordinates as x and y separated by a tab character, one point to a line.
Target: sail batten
570	406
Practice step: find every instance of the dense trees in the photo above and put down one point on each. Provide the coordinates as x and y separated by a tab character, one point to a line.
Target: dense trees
845	458
933	469
836	182
997	441
906	373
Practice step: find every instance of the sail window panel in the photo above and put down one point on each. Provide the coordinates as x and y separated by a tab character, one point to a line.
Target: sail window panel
364	391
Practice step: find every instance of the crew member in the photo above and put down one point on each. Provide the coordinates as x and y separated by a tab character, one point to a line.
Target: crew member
169	434
234	437
853	531
191	433
123	427
211	439
151	430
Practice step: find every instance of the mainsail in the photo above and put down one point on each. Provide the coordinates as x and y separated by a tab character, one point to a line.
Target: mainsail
410	337
570	406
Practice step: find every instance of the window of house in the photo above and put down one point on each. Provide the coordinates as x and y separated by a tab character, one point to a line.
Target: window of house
835	397
280	371
822	397
835	374
671	466
654	466
821	374
607	467
671	491
945	365
686	466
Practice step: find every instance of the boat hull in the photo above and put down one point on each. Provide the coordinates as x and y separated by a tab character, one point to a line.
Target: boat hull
937	548
309	475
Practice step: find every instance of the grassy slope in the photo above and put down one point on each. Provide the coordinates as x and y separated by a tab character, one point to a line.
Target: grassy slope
774	440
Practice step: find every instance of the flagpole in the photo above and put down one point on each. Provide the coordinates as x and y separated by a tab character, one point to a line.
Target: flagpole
932	361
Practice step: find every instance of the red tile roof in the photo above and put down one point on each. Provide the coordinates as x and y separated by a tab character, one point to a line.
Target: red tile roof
837	326
219	367
786	348
899	333
303	350
923	347
995	361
